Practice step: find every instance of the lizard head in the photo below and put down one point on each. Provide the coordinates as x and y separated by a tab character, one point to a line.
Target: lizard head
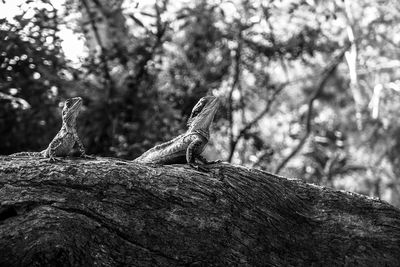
203	114
71	110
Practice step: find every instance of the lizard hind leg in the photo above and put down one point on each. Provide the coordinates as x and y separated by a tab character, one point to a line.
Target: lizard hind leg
81	148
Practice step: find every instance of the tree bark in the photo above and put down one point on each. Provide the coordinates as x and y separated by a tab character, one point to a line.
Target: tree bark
109	212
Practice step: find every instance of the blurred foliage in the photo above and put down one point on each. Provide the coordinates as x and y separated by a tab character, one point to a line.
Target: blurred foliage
293	101
30	62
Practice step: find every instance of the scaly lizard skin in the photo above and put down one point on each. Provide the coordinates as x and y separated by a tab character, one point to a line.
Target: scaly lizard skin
186	148
66	138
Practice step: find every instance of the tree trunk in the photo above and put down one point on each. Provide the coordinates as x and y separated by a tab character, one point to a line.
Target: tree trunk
109	30
108	212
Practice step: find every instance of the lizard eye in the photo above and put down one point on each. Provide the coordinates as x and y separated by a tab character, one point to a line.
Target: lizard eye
68	103
194	114
196	110
199	106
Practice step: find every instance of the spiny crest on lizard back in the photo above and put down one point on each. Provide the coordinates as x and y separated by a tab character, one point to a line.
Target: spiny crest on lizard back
203	113
71	110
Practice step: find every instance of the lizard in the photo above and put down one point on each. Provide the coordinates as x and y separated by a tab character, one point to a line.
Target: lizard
66	138
187	147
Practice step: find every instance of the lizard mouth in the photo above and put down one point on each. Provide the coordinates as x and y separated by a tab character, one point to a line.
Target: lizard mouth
211	108
77	104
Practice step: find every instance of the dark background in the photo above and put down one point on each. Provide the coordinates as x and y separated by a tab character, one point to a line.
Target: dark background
309	89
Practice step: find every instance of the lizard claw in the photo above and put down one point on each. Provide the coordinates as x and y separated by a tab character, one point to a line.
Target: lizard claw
52	160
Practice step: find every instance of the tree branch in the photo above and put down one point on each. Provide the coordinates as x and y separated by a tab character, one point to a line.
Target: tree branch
161	29
249	125
108	82
268	105
329	70
236	77
111	212
351	58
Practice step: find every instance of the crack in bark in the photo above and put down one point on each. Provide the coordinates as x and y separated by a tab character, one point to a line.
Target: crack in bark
10	209
120	234
7	211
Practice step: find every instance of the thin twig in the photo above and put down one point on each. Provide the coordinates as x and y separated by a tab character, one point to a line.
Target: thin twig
236	77
249	125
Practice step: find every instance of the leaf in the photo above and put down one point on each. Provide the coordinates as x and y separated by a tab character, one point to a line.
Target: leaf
136	20
148	14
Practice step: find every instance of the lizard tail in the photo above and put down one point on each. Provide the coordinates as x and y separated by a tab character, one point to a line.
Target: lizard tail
27	154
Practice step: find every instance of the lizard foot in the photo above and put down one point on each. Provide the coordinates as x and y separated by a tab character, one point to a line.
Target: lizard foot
213	161
87	156
51	160
198	167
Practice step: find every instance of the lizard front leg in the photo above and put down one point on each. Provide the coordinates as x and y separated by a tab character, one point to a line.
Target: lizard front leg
191	154
205	161
51	150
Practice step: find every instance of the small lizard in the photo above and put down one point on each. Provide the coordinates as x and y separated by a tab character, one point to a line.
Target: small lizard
66	138
186	148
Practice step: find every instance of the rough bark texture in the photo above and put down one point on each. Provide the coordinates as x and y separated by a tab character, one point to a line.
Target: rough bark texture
107	212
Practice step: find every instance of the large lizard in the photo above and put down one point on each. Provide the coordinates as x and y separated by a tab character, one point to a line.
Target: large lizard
186	148
66	138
